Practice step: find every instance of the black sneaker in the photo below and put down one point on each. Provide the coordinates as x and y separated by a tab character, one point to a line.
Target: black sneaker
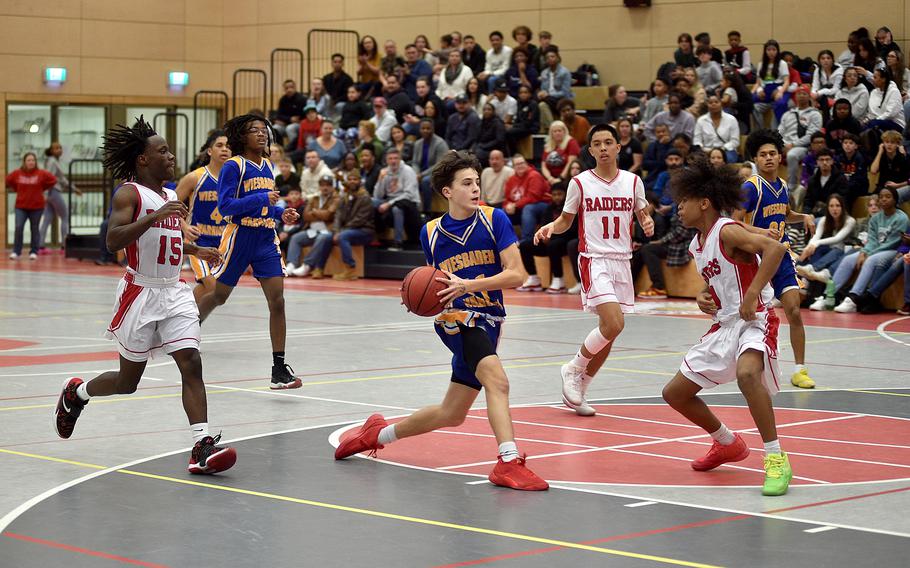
209	458
283	378
69	407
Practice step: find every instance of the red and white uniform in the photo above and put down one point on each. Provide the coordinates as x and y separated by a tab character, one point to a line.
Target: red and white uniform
606	213
155	310
712	361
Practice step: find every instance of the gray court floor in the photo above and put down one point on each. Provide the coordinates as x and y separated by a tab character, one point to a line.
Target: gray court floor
118	491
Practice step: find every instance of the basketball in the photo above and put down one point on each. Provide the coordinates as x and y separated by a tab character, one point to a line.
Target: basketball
419	288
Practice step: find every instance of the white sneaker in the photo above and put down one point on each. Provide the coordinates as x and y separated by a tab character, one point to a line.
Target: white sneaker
818	305
13	256
575	289
33	256
557	286
303	270
846	307
572	384
532	284
824	275
584	409
289	269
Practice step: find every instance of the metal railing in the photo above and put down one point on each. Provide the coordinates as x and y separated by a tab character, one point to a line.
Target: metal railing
322	43
284	64
94	181
250	90
203	122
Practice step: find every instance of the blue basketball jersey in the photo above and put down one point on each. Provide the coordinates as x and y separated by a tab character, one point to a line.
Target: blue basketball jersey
766	205
243	189
204	214
470	249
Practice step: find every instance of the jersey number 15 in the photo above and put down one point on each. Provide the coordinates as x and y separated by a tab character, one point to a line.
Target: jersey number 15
176	250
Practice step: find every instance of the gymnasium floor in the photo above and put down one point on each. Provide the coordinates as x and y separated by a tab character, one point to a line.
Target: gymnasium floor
622	492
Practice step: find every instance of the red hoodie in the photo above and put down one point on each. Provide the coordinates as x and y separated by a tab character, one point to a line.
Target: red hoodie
29	186
532	188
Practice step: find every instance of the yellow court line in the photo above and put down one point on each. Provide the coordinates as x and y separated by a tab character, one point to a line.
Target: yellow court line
52	459
878	392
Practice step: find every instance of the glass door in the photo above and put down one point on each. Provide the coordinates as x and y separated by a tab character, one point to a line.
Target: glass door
28	129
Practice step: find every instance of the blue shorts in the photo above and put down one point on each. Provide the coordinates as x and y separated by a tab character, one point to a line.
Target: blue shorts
785	277
208	241
245	246
468	346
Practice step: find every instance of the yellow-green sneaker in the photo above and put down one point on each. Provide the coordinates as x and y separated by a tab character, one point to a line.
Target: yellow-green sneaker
777	475
802	380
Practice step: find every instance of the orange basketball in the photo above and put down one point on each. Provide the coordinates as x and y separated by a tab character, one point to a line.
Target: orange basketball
419	288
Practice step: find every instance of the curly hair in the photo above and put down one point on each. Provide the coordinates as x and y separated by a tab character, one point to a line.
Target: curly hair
443	173
700	180
235	130
123	145
762	136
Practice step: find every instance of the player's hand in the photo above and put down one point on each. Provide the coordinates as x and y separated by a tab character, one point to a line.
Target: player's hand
290	216
190	232
747	306
456	287
809	224
274	196
647	225
543	234
171	209
706	303
210	255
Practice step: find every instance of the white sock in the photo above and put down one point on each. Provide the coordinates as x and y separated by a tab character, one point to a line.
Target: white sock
199	430
798	368
387	435
508	451
82	392
723	435
772	447
594	343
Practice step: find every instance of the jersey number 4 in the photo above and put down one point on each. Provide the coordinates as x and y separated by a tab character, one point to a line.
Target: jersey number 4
176	250
606	222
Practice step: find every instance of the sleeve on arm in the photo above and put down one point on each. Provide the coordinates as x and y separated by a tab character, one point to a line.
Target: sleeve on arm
503	230
229	205
573	198
641	201
750	196
425	245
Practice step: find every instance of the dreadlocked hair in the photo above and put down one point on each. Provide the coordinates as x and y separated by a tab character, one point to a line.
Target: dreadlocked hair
721	185
123	145
235	130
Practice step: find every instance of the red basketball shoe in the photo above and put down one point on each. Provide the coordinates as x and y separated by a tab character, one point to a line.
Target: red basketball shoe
516	475
209	458
69	407
718	454
366	438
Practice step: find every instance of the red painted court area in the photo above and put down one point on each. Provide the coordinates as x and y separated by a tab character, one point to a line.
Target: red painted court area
643	444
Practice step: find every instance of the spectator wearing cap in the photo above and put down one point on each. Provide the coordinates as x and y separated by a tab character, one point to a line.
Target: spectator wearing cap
555	85
463	127
310	127
504	104
313	170
499	57
429	149
383	119
453	79
317	218
397	197
797	126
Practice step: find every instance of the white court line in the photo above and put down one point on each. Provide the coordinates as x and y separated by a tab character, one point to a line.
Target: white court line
881	330
640	504
836	458
320	399
820	529
478	435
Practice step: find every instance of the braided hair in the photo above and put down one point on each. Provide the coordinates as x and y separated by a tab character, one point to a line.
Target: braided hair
123	145
236	130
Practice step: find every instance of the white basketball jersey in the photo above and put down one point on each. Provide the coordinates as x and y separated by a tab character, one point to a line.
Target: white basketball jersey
158	253
606	211
727	280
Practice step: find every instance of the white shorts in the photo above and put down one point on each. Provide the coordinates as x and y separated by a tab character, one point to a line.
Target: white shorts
712	361
148	321
606	280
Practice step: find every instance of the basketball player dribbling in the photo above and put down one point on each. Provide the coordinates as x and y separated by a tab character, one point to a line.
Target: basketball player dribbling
154	311
737	266
477	248
606	200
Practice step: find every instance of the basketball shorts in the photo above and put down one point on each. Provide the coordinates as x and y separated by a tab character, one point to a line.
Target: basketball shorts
785	277
244	246
201	268
149	320
469	346
712	361
605	280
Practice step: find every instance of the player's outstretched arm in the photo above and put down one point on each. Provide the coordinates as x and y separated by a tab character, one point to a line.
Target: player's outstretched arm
560	225
121	232
737	238
512	275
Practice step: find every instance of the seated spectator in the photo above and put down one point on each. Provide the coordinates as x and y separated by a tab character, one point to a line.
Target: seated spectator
718	129
555	248
437	115
682	143
290	111
442	53
620	104
503	103
314	169
473	55
369	168
337	84
415	67
476	98
771	86
353	113
286	178
865	61
854	92
891	162
319	98
884	42
673	161
708	71
845	59
825	182
492	135
546	43
463	128
429	149
685	53
739	58
630	154
703	39
559	151
808	165
527	119
348	164
276	154
885	229
369	62
499	58
677	121
826	80
841	123
398	140
736	99
523	36
657	102
521	73
578	125
894	60
555	85
366	133
672	246
383	118
397	198
422	43
796	128
353	226
656	154
696	92
853	164
293	200
425	96
453	80
527	196
397	100
717	157
29	182
826	247
317	219
870	301
391	63
331	150
309	128
493	180
886	110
